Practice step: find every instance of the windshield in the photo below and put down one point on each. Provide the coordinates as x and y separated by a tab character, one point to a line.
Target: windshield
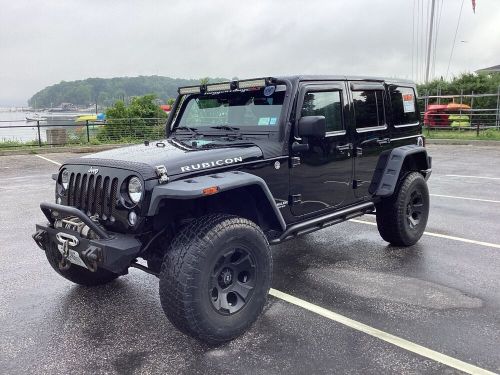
235	109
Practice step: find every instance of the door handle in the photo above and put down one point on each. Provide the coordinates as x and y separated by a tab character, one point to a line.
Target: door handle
345	147
383	141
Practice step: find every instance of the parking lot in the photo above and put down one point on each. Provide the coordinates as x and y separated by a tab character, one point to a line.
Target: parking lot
343	301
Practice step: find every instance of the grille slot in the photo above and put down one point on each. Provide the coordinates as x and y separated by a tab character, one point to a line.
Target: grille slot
95	195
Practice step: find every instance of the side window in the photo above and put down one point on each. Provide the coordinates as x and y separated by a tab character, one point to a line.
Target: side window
404	111
368	108
324	103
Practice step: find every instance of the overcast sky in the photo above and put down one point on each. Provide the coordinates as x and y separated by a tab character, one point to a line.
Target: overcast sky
44	42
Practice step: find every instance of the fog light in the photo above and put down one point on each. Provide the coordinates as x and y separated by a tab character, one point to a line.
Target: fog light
132	218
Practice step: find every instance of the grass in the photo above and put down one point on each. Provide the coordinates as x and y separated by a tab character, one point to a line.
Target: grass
464	134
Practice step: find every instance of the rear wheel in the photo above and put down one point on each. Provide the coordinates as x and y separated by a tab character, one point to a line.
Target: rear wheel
215	277
75	273
402	218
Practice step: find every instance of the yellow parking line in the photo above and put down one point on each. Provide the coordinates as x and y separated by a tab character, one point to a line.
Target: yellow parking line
439	235
387	337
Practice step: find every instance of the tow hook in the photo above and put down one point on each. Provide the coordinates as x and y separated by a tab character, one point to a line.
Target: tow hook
40	238
64	264
91	257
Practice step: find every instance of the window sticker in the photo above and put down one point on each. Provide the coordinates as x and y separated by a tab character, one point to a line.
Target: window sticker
408	103
269	90
272	121
263	121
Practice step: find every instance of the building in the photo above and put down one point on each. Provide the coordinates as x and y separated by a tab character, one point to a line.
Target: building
491	69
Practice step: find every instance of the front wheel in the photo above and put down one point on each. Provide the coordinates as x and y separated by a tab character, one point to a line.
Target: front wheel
215	277
402	218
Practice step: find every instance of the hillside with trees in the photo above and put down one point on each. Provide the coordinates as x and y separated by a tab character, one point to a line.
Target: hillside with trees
106	91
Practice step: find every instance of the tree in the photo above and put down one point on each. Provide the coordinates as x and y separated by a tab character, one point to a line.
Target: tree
141	119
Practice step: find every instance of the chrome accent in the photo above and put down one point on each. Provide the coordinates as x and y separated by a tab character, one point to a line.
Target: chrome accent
161	171
67	238
93	170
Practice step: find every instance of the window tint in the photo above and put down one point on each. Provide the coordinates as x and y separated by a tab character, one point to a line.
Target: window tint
324	103
404	110
368	108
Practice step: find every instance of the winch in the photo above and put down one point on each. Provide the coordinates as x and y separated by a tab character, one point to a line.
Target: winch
75	224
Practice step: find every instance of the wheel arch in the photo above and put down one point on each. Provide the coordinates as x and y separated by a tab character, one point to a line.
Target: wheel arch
392	164
237	193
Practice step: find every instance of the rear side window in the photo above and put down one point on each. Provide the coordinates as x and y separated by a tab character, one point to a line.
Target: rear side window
324	103
404	110
368	108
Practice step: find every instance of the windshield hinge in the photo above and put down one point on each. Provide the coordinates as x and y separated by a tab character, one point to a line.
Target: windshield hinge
161	171
294	161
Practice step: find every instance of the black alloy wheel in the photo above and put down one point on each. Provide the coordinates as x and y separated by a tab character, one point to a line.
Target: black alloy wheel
232	281
414	209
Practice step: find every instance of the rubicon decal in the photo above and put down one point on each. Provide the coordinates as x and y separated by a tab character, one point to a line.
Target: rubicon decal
210	164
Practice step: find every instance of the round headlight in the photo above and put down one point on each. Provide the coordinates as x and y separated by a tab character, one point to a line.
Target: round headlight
135	189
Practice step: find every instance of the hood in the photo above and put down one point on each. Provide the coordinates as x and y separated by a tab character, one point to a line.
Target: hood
177	157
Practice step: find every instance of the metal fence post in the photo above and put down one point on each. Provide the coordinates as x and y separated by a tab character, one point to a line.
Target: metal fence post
39	135
497	119
88	133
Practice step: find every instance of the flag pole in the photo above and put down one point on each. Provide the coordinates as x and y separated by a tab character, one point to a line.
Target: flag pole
429	43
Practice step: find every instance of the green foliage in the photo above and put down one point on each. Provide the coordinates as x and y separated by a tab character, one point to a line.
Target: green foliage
466	83
141	119
107	91
464	134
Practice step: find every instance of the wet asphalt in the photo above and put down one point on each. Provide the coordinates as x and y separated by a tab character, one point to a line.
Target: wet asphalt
441	293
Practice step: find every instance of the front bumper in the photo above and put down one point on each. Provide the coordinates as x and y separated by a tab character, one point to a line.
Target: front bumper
111	251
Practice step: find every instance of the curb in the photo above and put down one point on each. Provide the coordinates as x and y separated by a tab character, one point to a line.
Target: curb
54	150
461	142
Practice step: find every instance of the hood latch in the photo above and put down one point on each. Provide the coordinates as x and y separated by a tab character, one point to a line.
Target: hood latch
161	171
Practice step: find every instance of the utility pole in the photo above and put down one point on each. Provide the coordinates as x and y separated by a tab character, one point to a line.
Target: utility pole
429	43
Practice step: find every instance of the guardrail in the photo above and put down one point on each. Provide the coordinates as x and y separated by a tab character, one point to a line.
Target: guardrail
54	132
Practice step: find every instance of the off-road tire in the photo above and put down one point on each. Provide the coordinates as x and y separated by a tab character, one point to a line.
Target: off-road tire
393	212
187	275
77	274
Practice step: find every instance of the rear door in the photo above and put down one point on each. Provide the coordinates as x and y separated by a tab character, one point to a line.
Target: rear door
322	180
371	135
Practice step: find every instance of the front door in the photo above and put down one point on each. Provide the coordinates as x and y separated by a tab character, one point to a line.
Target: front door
371	136
322	180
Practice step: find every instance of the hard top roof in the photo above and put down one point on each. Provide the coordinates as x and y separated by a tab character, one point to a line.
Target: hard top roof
343	77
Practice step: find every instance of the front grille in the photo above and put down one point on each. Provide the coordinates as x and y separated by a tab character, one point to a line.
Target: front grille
95	195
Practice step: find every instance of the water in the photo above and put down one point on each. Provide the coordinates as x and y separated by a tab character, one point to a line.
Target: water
14	127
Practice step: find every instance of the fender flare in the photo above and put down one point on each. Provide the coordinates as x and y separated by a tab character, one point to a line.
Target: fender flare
192	188
390	163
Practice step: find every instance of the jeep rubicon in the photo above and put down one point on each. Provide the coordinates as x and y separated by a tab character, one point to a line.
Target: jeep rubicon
244	165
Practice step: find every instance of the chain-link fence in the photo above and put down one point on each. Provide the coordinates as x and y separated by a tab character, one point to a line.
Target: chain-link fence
64	132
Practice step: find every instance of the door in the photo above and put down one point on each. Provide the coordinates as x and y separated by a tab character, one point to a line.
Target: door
322	179
371	136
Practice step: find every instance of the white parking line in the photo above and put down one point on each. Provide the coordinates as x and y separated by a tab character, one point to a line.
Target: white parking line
381	335
439	235
464	198
463	176
51	161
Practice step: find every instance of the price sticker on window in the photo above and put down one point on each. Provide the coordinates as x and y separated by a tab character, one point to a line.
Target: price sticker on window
408	103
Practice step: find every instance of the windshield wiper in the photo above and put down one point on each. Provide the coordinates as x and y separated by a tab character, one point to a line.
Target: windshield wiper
225	127
193	131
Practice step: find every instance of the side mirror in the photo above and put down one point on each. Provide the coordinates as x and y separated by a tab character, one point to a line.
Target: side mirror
312	126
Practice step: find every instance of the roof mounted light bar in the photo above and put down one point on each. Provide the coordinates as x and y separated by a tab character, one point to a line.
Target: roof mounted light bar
189	90
252	83
224	86
227	86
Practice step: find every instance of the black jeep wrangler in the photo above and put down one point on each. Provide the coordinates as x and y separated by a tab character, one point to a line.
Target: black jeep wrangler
244	165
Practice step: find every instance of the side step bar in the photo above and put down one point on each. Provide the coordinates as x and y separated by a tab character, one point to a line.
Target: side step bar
324	221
